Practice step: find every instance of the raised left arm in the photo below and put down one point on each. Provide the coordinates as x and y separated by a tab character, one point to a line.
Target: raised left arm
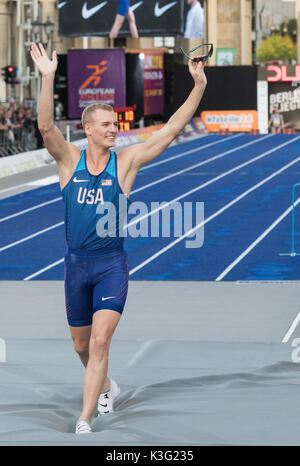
141	154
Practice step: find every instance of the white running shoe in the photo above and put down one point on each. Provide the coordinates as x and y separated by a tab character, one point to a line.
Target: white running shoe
83	427
106	399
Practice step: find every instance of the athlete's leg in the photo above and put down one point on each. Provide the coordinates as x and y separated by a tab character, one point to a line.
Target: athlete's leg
103	327
119	20
132	25
81	340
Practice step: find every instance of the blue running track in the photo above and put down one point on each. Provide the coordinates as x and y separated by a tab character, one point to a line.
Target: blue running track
245	183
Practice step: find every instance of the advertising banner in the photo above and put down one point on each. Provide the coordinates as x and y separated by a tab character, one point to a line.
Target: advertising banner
96	18
95	76
286	97
238	120
283	83
153	83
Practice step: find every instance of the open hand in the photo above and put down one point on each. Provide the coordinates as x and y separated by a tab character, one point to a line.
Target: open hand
196	69
42	61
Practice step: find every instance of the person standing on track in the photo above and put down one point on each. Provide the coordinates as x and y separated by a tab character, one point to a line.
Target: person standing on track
276	122
122	12
96	273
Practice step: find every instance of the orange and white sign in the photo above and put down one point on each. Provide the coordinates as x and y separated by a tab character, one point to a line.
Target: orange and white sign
235	120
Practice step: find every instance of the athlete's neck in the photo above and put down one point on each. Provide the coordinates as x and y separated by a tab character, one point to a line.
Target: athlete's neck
97	158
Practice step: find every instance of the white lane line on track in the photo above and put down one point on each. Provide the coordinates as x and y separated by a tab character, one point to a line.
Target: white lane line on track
256	242
30	209
202	223
39	272
292	328
143	168
204	185
196	165
31	236
174	157
220	211
146	186
172	201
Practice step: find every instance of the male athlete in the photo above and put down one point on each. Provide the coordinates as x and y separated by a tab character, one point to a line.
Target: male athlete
123	12
96	273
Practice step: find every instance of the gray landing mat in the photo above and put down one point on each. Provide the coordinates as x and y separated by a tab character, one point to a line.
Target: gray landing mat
208	371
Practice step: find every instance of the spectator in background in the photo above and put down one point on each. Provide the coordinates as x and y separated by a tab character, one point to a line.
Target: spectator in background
276	122
58	108
18	129
123	12
3	124
11	125
194	26
28	126
20	117
9	118
12	107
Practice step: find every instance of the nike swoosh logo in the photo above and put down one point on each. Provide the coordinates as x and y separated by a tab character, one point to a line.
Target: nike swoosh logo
79	181
109	297
104	406
88	12
60	5
159	11
134	7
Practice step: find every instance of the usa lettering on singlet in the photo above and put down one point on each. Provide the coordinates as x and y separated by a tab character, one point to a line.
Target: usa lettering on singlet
88	198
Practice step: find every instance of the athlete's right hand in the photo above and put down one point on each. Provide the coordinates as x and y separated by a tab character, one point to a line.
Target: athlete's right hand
42	61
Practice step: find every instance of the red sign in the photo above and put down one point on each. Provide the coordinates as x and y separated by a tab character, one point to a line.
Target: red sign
281	73
153	82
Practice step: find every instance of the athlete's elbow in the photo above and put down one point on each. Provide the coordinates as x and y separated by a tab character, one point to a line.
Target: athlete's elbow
45	127
174	130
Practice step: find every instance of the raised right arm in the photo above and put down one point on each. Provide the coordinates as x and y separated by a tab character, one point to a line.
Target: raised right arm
54	141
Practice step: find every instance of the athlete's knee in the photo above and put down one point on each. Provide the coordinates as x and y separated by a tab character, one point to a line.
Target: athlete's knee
130	16
81	346
99	346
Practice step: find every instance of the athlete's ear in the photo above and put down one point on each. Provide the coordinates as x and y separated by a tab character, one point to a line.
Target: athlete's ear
87	129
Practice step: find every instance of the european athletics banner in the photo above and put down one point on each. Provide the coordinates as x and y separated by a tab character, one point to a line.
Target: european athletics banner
95	76
96	17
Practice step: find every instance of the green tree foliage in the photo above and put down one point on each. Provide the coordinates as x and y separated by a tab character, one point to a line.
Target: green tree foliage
289	28
277	47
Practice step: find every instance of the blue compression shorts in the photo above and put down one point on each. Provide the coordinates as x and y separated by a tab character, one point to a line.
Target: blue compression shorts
94	281
123	7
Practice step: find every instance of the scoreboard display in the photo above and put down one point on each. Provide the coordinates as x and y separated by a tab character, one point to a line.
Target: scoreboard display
125	117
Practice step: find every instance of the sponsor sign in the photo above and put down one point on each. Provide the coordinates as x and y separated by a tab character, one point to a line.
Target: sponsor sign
282	73
235	120
95	76
283	91
287	99
95	17
153	83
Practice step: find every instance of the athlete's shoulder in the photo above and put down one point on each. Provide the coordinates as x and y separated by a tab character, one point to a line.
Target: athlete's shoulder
73	155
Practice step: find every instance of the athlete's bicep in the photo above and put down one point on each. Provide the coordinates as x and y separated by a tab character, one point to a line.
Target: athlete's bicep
153	147
56	144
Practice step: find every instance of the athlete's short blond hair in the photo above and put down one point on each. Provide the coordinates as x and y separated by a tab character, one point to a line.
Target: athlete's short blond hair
90	109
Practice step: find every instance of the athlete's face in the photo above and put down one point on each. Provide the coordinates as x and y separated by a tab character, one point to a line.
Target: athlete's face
102	128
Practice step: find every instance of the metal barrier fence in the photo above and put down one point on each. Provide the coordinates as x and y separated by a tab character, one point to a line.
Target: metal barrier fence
14	141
